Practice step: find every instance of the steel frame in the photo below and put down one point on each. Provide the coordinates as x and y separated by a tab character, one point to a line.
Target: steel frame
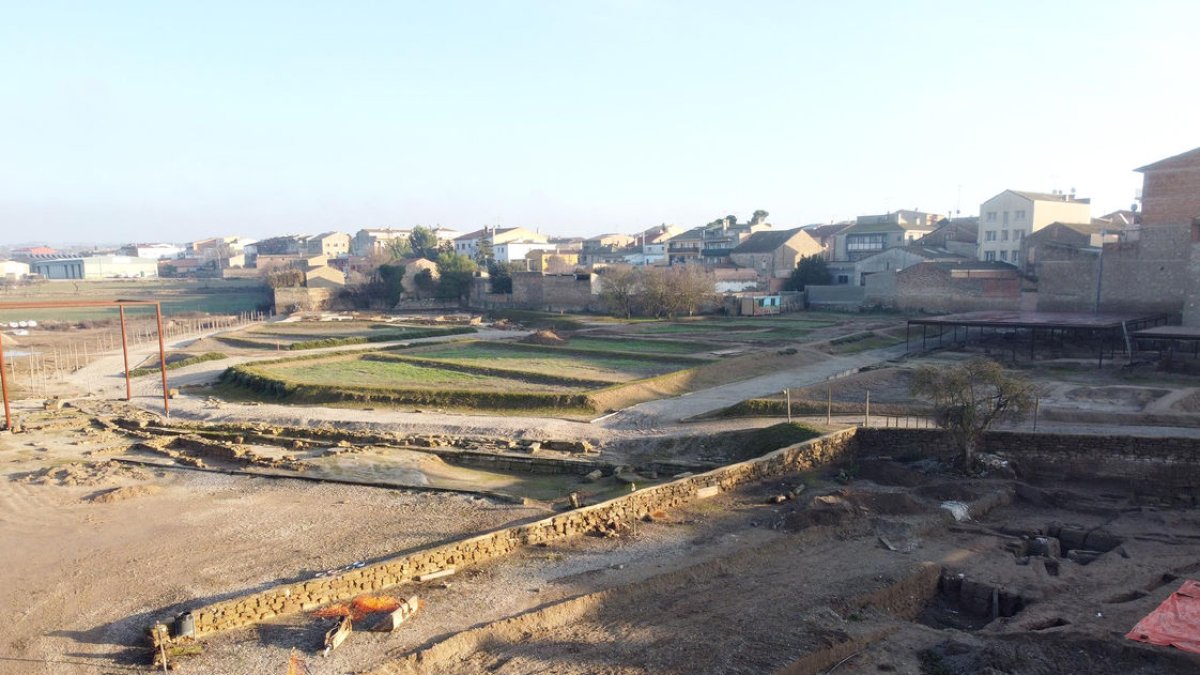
75	304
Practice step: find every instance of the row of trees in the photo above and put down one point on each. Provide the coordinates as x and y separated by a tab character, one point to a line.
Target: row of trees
656	291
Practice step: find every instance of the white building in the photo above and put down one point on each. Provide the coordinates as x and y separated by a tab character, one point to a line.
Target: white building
157	251
1006	219
13	269
515	251
97	267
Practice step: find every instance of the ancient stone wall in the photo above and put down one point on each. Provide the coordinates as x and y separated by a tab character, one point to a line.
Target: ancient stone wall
1161	466
250	609
302	298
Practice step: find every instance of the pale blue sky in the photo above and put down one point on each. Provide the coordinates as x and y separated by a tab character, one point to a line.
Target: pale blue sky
174	120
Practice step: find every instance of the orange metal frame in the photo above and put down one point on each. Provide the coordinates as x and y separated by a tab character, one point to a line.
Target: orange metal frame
73	304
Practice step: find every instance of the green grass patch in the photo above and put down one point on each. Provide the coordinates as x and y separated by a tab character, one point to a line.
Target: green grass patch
539	319
392	383
861	342
636	346
178	363
562	361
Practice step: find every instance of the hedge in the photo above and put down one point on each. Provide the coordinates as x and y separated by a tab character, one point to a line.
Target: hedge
183	363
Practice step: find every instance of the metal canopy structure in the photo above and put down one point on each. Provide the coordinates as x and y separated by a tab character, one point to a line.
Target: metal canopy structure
1108	326
76	304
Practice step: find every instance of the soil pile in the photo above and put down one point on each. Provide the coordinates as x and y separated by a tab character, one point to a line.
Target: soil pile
544	337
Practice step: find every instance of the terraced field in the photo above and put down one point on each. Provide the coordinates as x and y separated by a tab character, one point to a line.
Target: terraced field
360	372
595	365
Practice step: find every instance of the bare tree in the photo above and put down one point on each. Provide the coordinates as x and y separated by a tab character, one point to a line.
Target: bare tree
620	288
672	291
972	396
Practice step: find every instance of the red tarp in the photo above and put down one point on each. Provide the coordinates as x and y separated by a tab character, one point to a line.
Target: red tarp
1176	622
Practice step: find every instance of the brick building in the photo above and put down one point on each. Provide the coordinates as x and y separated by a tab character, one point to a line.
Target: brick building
1153	267
943	287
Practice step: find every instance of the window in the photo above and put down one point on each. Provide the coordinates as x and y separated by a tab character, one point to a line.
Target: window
991	216
1016	257
1020	214
1004	256
990	235
1003	235
843	278
989	256
1006	217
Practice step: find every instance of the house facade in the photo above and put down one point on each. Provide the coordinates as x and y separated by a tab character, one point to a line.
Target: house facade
329	244
372	242
875	233
1006	219
774	254
471	243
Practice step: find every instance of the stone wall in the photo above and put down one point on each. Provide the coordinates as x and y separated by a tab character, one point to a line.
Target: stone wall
1161	466
834	297
556	292
303	299
253	608
931	287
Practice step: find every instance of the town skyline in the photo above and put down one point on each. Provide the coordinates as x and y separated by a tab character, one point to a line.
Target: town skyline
576	120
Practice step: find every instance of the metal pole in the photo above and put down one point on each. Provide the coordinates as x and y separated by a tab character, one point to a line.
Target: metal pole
125	353
8	424
1037	404
788	395
162	359
867	414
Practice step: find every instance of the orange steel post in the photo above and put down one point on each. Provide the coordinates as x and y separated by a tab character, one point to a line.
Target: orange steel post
4	387
125	353
162	358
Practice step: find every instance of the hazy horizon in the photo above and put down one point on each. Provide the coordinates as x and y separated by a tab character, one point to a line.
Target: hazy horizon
143	121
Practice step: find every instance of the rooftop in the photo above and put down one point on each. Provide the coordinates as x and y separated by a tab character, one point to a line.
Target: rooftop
765	242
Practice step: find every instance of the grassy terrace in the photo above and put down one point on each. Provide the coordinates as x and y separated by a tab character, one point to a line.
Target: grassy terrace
360	372
635	346
575	363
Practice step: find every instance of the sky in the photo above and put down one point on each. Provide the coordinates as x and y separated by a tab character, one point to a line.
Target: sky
170	121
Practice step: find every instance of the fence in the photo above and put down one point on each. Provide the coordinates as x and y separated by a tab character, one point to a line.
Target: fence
34	370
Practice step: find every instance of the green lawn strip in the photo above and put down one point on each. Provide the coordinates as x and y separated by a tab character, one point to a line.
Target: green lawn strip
539	319
633	345
265	384
385	373
180	363
389	336
588	364
537	378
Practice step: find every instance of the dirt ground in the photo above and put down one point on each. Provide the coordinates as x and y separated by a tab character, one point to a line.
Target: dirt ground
84	568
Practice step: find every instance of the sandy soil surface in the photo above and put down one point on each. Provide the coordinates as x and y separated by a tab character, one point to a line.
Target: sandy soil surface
81	576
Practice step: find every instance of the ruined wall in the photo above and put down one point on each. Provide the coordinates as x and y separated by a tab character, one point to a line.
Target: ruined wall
1154	465
304	299
927	287
556	292
308	595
